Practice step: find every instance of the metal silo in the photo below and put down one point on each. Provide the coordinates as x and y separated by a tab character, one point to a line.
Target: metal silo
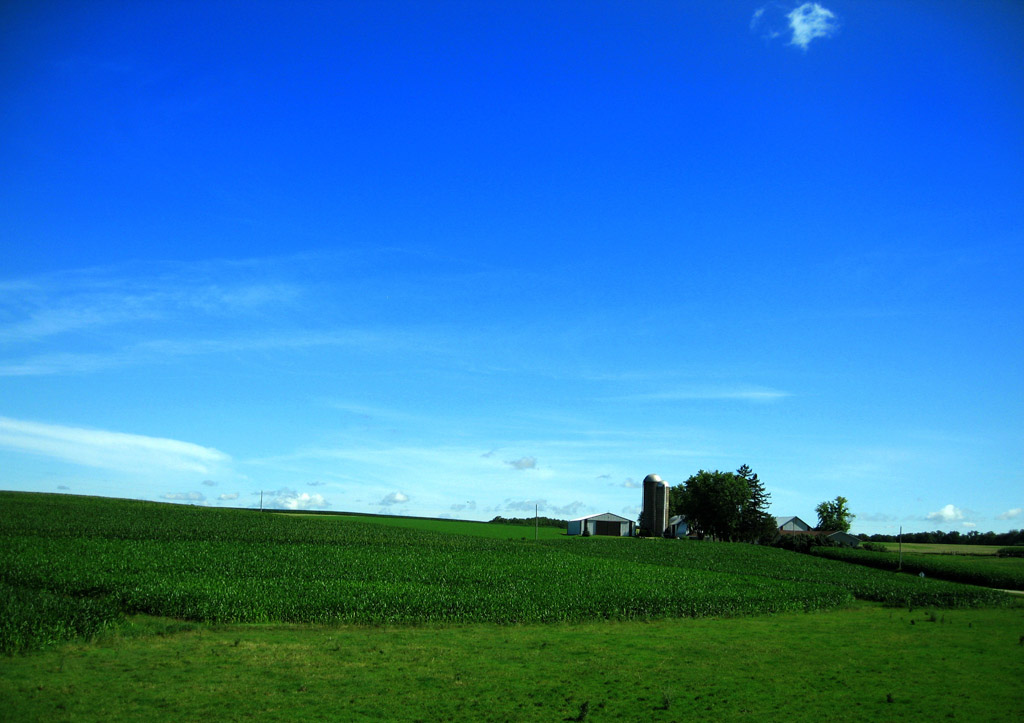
654	517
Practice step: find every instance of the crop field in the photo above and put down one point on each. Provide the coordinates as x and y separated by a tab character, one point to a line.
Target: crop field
452	527
739	558
123	609
1006	573
925	548
74	566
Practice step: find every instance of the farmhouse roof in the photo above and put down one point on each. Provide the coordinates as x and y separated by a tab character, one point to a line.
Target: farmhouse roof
607	516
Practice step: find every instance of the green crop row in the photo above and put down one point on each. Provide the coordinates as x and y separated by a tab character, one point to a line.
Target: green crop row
1001	573
776	564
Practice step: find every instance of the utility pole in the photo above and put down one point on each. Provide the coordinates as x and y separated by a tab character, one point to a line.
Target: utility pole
900	565
536	523
261	500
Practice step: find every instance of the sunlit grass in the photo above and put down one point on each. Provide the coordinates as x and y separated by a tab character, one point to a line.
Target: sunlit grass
859	664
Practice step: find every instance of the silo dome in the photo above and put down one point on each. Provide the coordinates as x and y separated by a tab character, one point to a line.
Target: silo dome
652	478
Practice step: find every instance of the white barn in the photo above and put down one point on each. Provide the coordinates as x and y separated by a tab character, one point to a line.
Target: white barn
603	524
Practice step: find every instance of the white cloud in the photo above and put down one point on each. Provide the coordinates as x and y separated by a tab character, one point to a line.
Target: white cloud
185	496
289	499
395	498
803	23
630	484
233	496
109	450
810	21
969	524
523	463
1011	514
949	513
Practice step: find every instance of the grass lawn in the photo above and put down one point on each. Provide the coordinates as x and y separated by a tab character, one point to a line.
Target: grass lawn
866	663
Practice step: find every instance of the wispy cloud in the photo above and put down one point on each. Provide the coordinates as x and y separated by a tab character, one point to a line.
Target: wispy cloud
85	299
1011	514
185	496
224	497
523	463
109	450
160	351
543	506
743	394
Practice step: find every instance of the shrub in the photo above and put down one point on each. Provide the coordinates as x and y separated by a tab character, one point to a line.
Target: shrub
803	543
1015	551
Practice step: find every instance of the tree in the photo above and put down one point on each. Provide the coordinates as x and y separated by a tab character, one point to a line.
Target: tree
676	494
756	525
712	503
834	515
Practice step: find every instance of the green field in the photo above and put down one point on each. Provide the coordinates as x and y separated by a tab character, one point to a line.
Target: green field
865	663
924	548
1004	573
452	527
118	608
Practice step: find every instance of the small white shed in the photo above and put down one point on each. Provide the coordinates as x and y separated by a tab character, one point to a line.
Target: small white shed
677	527
605	523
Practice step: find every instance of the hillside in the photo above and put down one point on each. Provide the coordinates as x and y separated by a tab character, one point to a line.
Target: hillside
74	565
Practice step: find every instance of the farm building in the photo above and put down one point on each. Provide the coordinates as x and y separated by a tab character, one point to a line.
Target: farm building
791	524
843	538
677	527
602	524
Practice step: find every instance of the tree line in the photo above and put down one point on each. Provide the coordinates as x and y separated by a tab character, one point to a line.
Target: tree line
1013	537
531	521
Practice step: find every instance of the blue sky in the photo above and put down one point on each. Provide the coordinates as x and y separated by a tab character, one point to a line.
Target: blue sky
459	259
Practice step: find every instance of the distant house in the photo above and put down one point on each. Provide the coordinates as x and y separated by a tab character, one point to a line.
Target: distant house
677	527
796	526
603	524
791	524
